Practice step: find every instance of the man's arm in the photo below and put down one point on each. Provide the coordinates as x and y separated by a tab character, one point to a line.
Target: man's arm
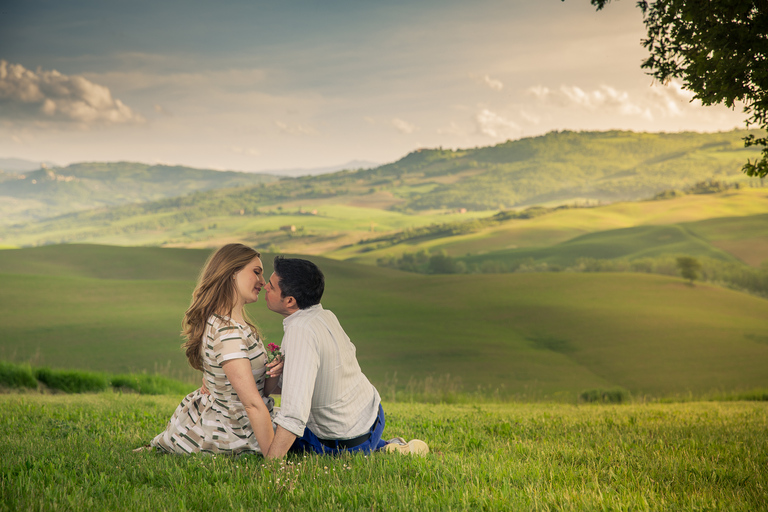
281	443
299	373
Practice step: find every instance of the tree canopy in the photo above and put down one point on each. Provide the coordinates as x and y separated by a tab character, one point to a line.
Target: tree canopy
719	48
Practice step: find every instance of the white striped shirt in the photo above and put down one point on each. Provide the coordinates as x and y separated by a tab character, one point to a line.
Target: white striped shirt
323	386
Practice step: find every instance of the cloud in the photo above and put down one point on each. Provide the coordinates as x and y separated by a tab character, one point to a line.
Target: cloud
494	84
491	124
486	80
162	110
673	99
403	126
539	91
602	98
297	129
451	129
530	118
605	97
51	96
660	101
245	151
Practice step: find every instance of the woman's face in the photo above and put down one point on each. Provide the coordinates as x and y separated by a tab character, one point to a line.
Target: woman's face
249	281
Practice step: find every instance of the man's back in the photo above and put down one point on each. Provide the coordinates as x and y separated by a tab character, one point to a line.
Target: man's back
323	386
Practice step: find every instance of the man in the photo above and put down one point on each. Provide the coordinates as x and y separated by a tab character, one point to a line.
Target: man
328	405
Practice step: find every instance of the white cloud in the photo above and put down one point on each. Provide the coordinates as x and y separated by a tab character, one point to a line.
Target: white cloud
403	126
530	118
673	99
296	129
603	98
494	84
452	129
487	81
52	96
245	151
541	92
491	124
657	102
162	111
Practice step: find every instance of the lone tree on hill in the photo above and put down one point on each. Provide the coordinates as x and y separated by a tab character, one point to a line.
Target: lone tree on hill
719	48
689	268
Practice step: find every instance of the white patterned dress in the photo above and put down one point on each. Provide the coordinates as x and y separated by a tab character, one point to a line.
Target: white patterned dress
217	423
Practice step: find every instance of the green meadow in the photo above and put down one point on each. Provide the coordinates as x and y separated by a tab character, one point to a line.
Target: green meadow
527	336
732	221
72	452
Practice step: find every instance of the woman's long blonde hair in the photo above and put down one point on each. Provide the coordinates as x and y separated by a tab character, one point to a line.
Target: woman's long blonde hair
214	294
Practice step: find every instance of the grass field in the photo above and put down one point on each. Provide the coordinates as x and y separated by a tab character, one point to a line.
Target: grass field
743	211
627	243
72	452
529	336
336	224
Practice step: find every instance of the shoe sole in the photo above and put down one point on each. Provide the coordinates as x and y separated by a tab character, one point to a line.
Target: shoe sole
414	447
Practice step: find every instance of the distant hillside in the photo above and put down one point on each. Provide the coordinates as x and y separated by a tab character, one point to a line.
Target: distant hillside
564	166
47	192
16	165
557	168
314	171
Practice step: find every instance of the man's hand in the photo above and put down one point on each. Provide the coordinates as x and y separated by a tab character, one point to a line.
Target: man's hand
275	368
204	389
280	444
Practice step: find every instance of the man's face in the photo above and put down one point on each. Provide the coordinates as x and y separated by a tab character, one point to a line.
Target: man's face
273	296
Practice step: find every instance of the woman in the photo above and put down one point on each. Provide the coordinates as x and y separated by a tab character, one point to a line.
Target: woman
225	346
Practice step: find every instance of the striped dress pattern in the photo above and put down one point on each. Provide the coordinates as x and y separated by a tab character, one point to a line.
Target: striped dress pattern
217	423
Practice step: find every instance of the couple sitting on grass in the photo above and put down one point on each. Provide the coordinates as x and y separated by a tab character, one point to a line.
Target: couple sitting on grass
328	405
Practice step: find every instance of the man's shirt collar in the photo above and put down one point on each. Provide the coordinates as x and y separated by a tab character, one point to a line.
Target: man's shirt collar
300	313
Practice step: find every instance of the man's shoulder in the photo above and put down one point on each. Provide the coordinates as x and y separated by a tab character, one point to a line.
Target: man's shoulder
308	317
311	321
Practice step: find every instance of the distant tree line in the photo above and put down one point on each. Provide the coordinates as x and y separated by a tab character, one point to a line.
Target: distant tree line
707	187
446	229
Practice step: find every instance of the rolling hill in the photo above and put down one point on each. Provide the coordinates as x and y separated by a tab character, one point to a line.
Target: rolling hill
526	335
48	192
586	168
728	226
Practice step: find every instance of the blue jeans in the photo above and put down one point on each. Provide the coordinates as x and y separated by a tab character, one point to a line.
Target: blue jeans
309	442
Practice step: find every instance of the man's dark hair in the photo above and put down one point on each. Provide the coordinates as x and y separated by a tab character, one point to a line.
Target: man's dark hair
300	279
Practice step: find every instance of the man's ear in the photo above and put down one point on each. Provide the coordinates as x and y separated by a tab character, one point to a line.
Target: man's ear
290	302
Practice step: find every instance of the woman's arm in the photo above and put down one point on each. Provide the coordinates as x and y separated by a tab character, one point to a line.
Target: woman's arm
238	371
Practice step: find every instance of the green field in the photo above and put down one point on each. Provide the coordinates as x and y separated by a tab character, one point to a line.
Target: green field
529	336
72	452
732	221
627	243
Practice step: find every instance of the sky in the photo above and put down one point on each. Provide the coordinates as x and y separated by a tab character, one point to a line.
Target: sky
256	85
